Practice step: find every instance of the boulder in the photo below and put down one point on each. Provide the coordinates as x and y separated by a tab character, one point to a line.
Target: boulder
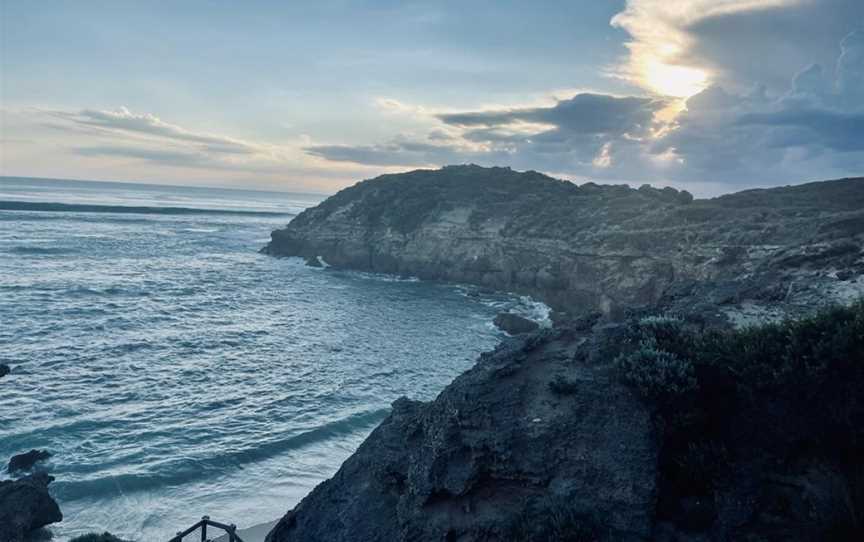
515	324
25	505
314	261
27	460
96	537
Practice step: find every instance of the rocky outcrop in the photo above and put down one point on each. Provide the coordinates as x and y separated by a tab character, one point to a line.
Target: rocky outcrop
25	505
592	247
707	437
95	537
514	324
27	460
502	454
713	437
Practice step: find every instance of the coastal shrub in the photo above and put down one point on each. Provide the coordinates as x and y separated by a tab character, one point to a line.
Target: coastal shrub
790	391
657	375
658	367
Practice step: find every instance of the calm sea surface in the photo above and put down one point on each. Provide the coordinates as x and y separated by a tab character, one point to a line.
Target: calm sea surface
175	372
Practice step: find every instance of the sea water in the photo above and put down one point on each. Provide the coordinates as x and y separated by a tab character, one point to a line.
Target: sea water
175	372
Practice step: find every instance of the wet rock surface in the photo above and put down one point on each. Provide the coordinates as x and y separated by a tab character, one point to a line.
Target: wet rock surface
593	247
514	324
25	506
27	460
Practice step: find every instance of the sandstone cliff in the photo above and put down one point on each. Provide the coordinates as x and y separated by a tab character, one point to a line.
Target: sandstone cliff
591	247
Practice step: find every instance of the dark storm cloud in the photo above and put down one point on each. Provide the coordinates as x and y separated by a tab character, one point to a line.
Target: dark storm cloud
815	129
567	135
584	113
753	47
832	129
811	127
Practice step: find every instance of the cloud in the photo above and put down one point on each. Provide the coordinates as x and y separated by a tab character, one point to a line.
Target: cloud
585	113
681	48
813	128
162	156
661	38
850	69
122	133
573	134
124	122
402	151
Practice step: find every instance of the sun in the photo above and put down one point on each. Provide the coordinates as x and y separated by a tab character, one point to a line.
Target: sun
672	80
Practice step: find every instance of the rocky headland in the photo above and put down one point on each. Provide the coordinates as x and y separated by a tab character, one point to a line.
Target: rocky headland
593	247
25	506
27	460
646	413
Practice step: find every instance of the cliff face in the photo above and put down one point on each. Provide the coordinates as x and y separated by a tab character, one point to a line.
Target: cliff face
590	247
656	428
496	456
616	424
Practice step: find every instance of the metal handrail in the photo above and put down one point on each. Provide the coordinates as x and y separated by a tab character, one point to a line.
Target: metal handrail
205	521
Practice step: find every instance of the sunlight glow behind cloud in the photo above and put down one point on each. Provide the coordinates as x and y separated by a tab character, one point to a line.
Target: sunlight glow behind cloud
671	80
702	92
660	38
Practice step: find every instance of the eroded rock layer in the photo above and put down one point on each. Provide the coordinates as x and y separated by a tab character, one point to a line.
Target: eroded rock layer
592	247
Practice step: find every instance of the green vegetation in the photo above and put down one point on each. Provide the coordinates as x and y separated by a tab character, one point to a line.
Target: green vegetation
813	359
532	203
788	395
659	374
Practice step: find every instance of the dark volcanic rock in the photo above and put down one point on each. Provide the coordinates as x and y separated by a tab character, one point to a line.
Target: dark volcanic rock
96	537
25	505
497	456
4	370
313	261
515	324
27	460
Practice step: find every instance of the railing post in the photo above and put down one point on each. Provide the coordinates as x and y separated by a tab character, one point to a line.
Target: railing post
231	536
204	520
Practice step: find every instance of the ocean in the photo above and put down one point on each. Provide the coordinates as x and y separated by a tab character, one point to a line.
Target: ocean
175	372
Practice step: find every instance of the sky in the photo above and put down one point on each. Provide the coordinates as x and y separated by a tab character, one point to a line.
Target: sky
711	96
